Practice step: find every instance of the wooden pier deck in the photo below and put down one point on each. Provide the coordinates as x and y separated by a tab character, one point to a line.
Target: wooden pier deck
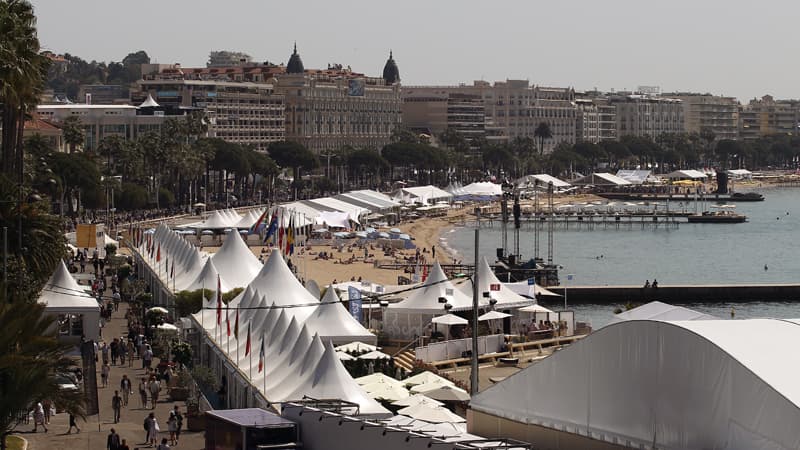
711	293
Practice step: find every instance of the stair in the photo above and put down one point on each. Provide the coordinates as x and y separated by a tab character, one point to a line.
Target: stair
405	359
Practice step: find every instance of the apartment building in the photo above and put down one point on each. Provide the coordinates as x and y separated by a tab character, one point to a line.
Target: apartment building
767	116
437	111
647	115
587	121
706	112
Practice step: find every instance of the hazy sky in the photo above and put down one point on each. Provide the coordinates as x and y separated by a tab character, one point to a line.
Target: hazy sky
736	48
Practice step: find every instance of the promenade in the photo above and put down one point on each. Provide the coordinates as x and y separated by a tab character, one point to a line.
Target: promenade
96	428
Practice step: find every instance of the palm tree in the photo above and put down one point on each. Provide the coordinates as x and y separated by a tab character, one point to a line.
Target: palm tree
542	132
31	359
74	133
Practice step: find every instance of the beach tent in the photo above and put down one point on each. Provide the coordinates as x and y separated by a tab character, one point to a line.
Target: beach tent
661	311
481	189
276	281
334	323
77	312
529	290
356	347
655	384
634	176
333	219
337	205
425	194
236	264
218	220
688	174
601	179
541	180
488	282
740	174
425	300
207	279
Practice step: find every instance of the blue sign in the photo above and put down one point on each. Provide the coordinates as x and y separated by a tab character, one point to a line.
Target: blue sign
355	302
531	281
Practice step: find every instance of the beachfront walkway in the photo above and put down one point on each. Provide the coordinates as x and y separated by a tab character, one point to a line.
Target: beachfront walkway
96	429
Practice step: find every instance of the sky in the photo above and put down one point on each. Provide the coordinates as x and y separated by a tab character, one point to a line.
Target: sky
734	48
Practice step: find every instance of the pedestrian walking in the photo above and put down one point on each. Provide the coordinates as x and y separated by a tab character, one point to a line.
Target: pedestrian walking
47	404
116	405
172	426
104	371
72	424
114	351
178	423
152	428
147	357
130	352
104	350
38	417
125	387
143	392
112	441
155	388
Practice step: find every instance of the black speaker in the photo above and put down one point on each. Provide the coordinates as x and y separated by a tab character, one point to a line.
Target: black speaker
500	253
722	182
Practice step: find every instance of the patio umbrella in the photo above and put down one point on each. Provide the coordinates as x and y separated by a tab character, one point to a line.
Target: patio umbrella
375	354
395	230
493	315
377	377
427	387
345	357
449	319
416	399
355	347
388	392
158	309
424	378
167	327
449	394
535	309
432	414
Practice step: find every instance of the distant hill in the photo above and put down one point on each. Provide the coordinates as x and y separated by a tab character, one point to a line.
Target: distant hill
66	77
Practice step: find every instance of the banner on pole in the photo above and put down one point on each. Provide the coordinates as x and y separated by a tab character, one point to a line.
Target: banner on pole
354	296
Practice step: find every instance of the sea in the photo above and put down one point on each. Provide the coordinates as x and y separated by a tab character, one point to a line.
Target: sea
765	249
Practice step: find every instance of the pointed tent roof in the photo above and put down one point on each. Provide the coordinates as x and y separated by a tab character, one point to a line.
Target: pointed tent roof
149	102
506	298
63	293
275	276
332	381
333	322
207	279
303	371
425	300
295	64
235	262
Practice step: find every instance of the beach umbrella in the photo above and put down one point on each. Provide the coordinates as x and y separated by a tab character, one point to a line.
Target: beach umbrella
389	393
493	315
362	234
345	357
404	237
395	230
167	327
383	234
377	377
417	399
449	319
424	378
449	394
535	309
432	414
355	347
375	354
158	309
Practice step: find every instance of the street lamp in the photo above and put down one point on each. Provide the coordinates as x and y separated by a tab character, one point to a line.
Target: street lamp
570	276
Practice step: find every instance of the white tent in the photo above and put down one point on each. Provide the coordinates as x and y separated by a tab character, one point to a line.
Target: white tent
333	322
354	211
541	180
235	262
388	392
526	289
416	399
218	220
686	174
634	176
375	354
333	219
601	179
425	300
488	282
425	378
279	283
207	279
449	319
356	347
482	189
432	414
654	384
65	298
425	194
661	311
377	377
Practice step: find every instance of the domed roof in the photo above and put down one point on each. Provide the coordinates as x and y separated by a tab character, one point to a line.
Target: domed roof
295	63
390	71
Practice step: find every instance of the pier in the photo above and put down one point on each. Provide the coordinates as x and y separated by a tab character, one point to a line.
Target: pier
657	197
681	294
589	222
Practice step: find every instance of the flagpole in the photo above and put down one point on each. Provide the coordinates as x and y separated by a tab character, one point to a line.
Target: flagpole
264	365
228	325
202	313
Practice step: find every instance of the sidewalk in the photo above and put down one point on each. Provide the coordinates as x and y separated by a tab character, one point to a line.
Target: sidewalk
96	428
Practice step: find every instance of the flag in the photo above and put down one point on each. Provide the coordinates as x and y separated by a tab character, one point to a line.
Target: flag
273	226
259	222
261	356
158	253
289	236
172	269
236	326
228	322
247	344
280	232
219	300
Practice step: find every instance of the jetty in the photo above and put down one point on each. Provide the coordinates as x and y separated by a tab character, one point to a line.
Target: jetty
680	294
685	197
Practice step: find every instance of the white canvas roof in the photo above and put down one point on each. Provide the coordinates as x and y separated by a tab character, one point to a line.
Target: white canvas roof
634	176
425	300
235	262
602	179
333	219
249	219
689	384
661	311
218	220
541	179
334	323
687	174
62	293
207	279
338	205
530	290
506	298
279	284
425	194
483	188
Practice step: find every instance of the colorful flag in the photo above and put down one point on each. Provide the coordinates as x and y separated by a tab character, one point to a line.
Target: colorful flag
219	300
259	222
273	226
280	232
247	344
236	326
289	236
228	322
261	356
158	253
172	269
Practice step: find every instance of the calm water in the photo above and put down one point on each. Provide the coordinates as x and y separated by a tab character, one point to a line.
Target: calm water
691	254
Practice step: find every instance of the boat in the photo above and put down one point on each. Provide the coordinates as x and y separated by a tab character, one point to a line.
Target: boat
724	214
